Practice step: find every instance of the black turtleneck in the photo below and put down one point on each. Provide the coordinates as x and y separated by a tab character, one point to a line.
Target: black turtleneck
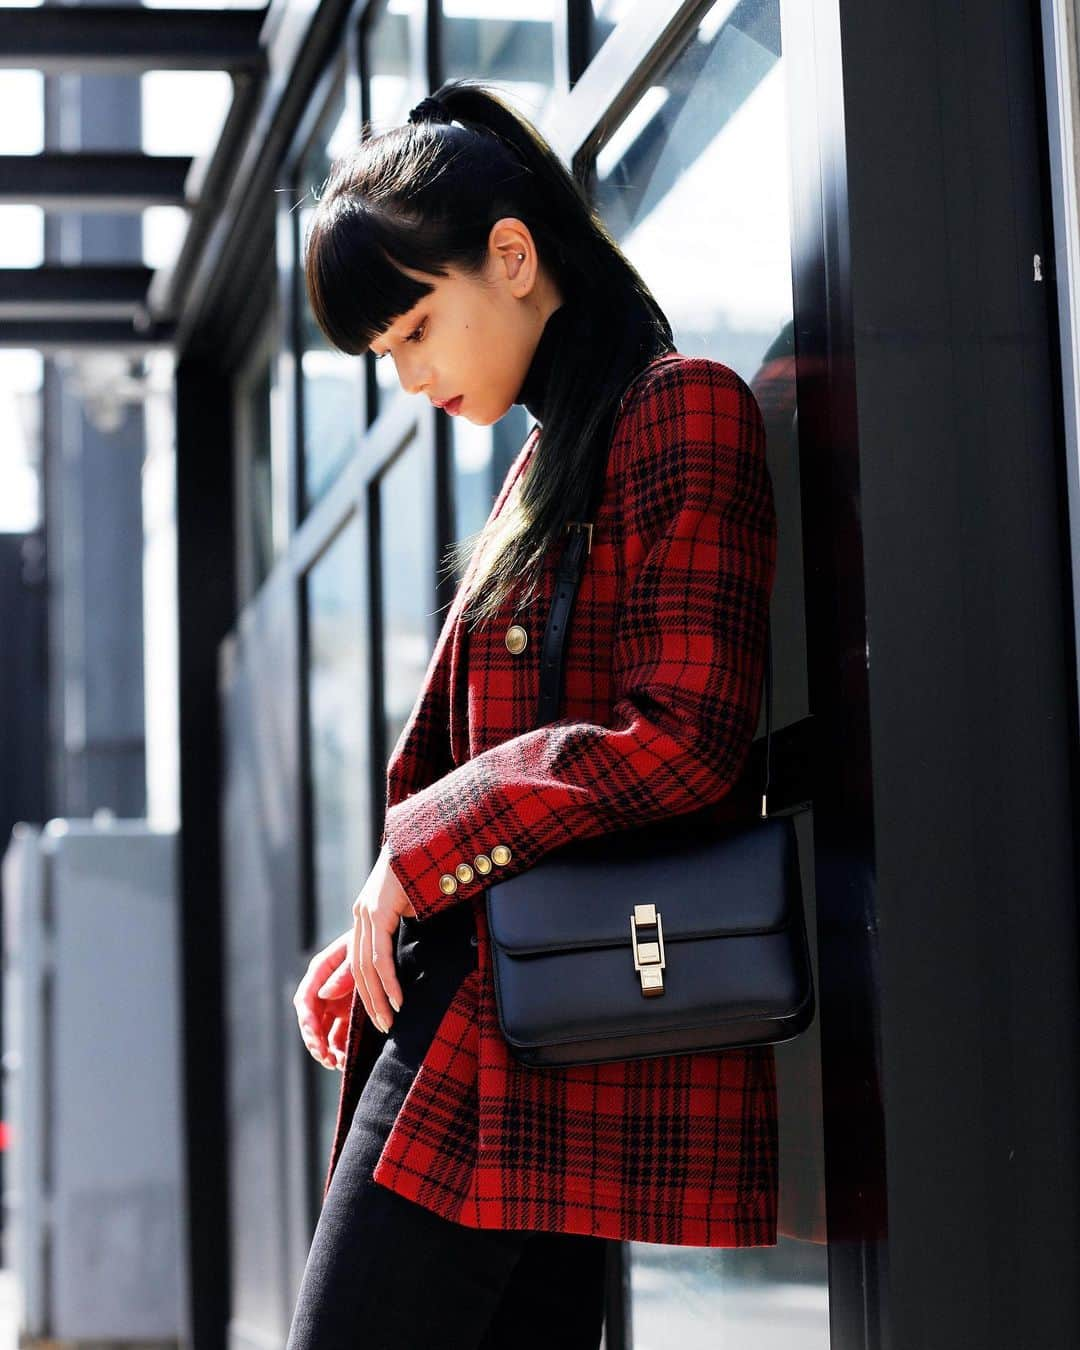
533	391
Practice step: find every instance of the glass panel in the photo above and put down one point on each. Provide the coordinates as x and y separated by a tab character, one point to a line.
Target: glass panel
406	585
204	96
694	185
20	440
22	230
22	112
480	458
512	46
330	393
604	15
509	43
336	731
260	504
392	37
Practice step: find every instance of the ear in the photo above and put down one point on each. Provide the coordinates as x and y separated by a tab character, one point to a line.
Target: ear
508	238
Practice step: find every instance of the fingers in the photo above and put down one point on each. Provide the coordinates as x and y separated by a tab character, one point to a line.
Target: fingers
324	963
318	1001
339	1033
311	1032
377	982
338	984
385	988
363	974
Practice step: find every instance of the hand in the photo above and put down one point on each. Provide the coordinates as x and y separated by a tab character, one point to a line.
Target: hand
377	912
323	1000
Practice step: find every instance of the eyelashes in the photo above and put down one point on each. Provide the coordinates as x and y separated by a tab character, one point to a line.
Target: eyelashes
414	336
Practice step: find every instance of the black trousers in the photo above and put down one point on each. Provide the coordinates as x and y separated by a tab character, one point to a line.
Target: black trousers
384	1273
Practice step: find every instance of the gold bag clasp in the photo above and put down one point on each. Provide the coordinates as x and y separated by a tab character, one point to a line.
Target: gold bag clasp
649	960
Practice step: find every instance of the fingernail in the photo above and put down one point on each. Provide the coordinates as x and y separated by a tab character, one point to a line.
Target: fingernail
381	1024
396	1006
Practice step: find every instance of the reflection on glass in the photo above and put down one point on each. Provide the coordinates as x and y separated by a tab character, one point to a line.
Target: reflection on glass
511	46
336	731
330	392
392	90
604	15
694	185
260	485
20	445
480	458
406	581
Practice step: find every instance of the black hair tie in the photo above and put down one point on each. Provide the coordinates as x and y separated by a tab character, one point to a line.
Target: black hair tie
430	109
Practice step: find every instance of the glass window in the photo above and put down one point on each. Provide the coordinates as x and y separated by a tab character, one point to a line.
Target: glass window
337	739
481	457
259	486
336	730
20	444
205	97
330	381
510	45
604	15
393	35
694	185
406	579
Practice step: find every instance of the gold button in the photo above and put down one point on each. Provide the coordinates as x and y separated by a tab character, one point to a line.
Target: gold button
500	855
463	872
447	884
516	638
482	863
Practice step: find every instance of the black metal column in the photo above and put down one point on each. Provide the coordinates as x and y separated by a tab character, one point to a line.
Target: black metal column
205	563
943	683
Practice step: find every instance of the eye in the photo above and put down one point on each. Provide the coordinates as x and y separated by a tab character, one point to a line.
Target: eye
414	336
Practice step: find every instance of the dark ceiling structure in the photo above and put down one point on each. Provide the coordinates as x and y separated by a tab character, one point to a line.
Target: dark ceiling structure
59	307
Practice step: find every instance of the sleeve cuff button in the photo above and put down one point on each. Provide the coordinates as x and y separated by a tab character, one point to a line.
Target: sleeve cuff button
447	884
500	855
463	872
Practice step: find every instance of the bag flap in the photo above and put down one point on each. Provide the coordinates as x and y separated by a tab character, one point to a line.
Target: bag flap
702	883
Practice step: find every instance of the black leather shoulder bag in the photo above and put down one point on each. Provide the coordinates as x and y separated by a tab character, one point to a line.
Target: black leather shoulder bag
665	939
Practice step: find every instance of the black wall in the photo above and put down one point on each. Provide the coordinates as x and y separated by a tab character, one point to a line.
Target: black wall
943	681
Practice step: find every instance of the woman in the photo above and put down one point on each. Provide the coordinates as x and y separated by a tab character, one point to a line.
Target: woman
470	1200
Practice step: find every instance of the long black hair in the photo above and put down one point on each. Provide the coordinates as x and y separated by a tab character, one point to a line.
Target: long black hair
425	195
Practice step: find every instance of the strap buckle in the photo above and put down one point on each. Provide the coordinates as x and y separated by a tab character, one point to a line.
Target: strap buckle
586	525
649	959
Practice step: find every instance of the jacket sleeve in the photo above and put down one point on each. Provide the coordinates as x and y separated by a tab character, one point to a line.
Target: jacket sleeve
697	551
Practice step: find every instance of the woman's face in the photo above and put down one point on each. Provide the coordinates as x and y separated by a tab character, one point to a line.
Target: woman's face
469	342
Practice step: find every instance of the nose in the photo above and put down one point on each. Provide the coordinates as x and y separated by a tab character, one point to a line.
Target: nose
412	381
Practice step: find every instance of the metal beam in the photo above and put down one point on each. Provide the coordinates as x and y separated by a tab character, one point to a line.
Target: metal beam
211	185
89	292
51	336
304	39
93	181
115	38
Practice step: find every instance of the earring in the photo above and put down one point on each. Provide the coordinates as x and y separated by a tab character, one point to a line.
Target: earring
521	255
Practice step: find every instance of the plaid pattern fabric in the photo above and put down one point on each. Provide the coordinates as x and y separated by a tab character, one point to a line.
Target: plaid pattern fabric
663	686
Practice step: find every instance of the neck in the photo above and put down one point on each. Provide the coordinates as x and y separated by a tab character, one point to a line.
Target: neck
533	393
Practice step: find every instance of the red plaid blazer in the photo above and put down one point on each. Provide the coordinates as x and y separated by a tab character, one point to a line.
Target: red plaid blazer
663	686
